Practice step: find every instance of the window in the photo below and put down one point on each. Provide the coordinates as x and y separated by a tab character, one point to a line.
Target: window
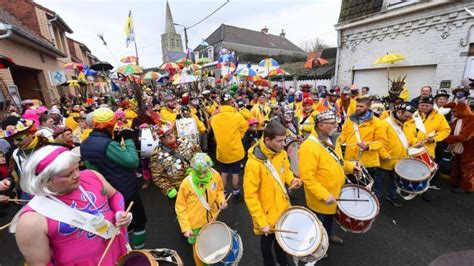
390	4
470	52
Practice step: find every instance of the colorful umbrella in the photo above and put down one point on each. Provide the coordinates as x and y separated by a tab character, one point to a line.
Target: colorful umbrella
314	62
129	59
224	51
184	62
169	66
195	67
181	79
129	69
225	58
73	83
75	66
269	63
6	62
262	82
389	59
152	75
277	72
246	72
203	60
228	68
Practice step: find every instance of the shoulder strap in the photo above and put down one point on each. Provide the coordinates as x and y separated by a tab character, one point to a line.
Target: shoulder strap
329	150
203	201
271	168
356	131
399	131
73	217
419	122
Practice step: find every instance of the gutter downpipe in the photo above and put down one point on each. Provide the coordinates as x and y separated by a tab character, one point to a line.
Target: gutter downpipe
336	74
9	33
50	26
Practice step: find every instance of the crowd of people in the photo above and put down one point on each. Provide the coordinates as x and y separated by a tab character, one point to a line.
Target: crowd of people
76	163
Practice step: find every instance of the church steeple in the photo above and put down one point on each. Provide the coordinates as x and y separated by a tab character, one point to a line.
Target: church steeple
169	24
171	43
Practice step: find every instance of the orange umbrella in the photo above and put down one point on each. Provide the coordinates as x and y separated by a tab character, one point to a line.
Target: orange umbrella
314	62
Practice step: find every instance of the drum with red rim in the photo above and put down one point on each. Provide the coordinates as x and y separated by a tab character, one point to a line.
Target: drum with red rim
151	257
423	155
356	216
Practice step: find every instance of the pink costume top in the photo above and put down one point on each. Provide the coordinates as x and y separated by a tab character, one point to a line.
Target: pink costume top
73	246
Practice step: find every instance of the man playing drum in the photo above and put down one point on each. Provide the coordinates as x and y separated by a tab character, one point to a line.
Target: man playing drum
431	127
266	173
363	136
400	135
323	171
200	196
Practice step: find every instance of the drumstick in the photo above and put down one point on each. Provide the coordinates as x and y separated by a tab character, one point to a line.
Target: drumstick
219	211
18	200
113	237
283	231
7	225
352	200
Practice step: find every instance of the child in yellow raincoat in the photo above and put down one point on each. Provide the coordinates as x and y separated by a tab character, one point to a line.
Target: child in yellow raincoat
200	197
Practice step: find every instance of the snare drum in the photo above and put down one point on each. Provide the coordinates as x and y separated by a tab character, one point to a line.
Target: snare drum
292	149
147	143
356	216
310	244
218	244
423	155
150	257
363	178
412	175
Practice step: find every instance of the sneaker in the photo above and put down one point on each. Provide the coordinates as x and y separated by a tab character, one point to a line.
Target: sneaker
336	240
435	187
395	202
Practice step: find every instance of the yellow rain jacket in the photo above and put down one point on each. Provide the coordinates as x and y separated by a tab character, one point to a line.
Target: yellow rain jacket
297	106
168	115
350	109
229	128
245	113
211	109
321	174
189	209
308	125
372	132
199	124
263	196
260	116
70	122
435	124
392	146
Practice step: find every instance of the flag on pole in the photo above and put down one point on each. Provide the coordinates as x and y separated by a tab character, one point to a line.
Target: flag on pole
129	29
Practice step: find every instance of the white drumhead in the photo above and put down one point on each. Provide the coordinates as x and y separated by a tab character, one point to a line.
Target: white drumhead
213	242
413	151
412	169
361	210
147	143
304	222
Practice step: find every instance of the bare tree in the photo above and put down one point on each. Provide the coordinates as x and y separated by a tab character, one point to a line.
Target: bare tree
314	45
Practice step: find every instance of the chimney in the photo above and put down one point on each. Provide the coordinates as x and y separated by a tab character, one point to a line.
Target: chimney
282	34
265	30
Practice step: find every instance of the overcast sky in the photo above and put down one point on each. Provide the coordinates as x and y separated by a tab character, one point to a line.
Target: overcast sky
302	20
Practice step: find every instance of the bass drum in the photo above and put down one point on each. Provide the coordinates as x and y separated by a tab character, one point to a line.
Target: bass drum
147	143
150	257
292	149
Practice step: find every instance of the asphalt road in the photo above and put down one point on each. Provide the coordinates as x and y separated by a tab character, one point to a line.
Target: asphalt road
413	235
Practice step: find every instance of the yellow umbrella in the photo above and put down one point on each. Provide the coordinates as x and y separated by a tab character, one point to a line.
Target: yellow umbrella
389	59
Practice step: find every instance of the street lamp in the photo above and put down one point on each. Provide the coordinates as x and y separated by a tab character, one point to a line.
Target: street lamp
185	34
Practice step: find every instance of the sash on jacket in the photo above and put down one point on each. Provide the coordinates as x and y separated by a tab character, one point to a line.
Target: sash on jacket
399	131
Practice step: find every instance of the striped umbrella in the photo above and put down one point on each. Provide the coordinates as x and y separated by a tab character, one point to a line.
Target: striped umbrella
225	58
152	75
129	59
75	66
277	72
269	63
184	62
169	66
246	72
129	69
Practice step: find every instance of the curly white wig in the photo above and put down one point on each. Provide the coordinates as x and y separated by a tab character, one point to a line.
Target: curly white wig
37	184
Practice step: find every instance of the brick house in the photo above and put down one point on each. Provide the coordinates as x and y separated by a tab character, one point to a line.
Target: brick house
35	38
434	36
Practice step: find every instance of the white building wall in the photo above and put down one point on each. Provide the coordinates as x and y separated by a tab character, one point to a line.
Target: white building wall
428	37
